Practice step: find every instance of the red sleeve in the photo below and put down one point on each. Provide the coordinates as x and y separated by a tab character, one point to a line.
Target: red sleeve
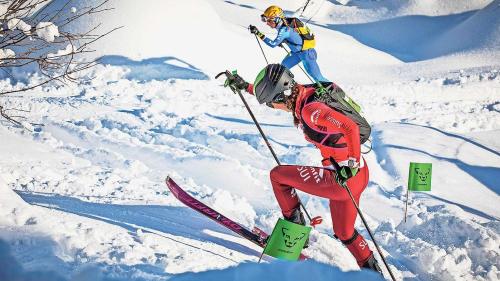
322	118
250	89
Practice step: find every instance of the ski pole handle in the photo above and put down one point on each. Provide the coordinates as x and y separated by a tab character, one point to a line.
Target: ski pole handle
218	75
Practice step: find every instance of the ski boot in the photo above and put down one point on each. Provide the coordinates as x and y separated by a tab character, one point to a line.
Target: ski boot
372	264
298	218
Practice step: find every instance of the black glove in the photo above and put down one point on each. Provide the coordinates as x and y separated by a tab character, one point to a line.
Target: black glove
255	31
345	173
236	82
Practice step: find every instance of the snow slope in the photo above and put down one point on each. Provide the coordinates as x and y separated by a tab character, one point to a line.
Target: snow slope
422	37
82	195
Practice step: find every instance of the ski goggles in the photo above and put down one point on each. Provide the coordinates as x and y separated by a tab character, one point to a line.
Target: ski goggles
263	18
280	98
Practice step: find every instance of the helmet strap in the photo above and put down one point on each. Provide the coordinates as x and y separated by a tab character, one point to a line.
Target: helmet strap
279	22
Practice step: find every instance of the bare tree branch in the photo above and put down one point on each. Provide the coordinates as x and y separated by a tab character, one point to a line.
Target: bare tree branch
11	118
24	26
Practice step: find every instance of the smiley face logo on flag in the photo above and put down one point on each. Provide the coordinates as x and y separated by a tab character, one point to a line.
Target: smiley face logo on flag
287	240
422	174
290	239
420	177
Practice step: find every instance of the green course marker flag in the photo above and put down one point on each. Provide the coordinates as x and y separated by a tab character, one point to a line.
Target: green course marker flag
287	240
419	179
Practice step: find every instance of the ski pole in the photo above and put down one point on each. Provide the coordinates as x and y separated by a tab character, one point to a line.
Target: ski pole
344	185
251	115
315	219
317	83
369	231
262	50
316	11
258	127
305	6
288	53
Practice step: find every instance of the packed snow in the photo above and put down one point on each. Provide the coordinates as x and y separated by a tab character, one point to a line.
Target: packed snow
82	193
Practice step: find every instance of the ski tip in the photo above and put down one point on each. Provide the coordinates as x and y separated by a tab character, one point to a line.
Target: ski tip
167	178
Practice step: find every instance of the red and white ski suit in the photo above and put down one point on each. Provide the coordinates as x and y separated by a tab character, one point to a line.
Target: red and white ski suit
342	144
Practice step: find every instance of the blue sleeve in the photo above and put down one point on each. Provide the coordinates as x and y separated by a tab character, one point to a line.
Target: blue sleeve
283	34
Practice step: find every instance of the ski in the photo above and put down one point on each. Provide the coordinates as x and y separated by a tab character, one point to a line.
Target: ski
256	235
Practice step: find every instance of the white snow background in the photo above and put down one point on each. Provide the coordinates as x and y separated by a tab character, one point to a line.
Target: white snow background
82	195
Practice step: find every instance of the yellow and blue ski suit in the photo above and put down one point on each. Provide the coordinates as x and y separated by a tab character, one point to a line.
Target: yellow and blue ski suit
308	57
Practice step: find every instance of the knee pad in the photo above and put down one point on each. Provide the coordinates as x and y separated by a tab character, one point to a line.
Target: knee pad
350	240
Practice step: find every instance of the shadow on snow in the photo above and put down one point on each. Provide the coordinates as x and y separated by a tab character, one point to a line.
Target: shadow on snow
486	175
458	137
52	268
241	5
462	206
162	68
408	37
160	220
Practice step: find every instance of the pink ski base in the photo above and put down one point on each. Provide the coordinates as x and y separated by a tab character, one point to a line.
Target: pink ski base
257	236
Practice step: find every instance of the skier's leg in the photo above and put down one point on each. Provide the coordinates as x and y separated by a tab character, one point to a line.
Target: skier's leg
291	60
344	215
309	60
313	180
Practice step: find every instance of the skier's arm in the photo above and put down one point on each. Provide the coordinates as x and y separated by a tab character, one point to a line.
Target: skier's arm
322	118
283	34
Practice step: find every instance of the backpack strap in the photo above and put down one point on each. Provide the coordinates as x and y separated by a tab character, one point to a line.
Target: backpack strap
330	140
287	23
298	26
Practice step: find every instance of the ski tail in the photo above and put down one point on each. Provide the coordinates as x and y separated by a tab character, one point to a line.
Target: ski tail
256	237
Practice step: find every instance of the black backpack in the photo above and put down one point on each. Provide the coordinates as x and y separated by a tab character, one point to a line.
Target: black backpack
333	96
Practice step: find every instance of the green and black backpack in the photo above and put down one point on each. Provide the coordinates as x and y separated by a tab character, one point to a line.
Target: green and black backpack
333	96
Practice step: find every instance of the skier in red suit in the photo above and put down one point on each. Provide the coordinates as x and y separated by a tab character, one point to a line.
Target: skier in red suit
339	141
